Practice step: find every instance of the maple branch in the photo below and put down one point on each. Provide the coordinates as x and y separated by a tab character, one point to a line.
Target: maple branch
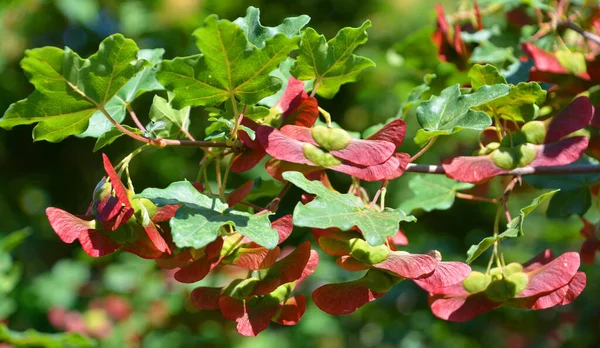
135	118
568	169
590	36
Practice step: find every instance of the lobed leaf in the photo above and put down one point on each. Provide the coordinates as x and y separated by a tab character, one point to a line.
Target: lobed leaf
229	67
451	112
331	63
344	211
200	218
432	192
69	89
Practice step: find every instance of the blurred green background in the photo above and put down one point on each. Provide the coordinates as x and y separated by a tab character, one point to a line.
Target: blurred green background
43	272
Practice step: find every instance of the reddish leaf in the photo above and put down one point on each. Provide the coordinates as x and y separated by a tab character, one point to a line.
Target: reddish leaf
474	169
95	243
351	264
460	306
255	258
577	115
538	261
282	146
296	106
444	275
284	226
240	193
251	319
563	295
174	261
67	226
198	269
115	182
252	152
399	239
311	266
344	298
560	153
277	167
165	213
158	241
286	270
291	311
205	298
552	275
407	265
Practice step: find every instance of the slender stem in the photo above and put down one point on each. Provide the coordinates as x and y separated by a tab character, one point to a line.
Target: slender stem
590	36
226	176
135	118
548	170
424	149
219	182
476	198
274	204
125	161
174	142
187	133
377	194
238	122
123	129
326	116
315	87
160	142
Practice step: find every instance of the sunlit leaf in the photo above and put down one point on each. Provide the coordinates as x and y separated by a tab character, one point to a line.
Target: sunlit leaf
432	192
228	66
451	112
69	89
344	211
200	218
331	63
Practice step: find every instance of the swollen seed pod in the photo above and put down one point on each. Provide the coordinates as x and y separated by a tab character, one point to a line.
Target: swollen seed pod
476	282
535	132
319	157
362	251
331	138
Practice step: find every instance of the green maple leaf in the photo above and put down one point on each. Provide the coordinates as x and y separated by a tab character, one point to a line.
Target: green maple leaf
344	211
69	89
518	105
258	34
200	218
331	63
432	192
513	229
141	83
174	122
228	67
113	134
451	112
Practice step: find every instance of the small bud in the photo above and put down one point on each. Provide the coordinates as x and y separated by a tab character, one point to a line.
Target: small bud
511	158
331	138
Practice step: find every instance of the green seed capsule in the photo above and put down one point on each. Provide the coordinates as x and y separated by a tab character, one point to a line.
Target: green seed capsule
320	157
362	251
511	158
331	138
535	132
506	288
476	282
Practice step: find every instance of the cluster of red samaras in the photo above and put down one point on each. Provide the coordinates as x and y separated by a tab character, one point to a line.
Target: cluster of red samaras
297	144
